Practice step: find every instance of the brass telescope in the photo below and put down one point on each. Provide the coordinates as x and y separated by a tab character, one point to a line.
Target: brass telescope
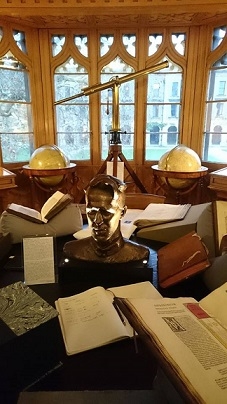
114	82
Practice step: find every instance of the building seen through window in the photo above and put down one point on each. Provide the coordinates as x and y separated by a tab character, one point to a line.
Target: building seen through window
215	130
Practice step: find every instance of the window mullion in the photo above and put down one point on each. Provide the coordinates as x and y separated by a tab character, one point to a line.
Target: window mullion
140	97
45	102
94	99
194	89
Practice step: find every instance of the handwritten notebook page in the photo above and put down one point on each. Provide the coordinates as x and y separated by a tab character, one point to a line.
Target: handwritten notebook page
89	320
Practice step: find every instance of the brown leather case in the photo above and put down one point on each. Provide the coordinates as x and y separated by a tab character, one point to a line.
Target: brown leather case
181	259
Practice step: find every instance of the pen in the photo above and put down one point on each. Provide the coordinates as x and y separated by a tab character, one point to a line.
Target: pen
119	313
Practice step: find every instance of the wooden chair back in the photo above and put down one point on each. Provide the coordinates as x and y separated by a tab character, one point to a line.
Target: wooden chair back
140	201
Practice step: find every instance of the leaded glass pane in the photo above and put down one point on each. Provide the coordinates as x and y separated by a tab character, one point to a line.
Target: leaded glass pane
70	66
15	115
8	61
127	121
16	147
73	131
19	38
118	68
154	42
81	42
72	115
215	132
69	80
15	111
178	41
129	42
106	41
163	111
217	84
218	36
172	68
14	85
57	42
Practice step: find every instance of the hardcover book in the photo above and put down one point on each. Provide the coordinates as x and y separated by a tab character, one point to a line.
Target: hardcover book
181	259
188	338
51	207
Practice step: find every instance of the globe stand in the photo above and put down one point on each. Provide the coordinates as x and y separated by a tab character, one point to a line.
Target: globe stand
35	176
196	183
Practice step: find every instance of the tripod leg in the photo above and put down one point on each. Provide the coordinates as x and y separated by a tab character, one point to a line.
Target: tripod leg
133	174
103	166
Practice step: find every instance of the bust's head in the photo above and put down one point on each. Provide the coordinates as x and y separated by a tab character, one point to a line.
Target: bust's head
105	206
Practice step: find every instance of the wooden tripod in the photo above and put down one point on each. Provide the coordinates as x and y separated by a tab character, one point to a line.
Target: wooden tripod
115	148
115	154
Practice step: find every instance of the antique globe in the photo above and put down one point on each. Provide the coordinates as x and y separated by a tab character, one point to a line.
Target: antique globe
183	159
48	157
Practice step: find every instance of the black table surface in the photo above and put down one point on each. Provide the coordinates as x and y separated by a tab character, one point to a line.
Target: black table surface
113	367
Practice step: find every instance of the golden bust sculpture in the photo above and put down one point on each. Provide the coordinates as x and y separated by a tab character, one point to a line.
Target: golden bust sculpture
105	206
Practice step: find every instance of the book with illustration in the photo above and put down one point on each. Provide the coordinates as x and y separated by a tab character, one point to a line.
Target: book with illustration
189	339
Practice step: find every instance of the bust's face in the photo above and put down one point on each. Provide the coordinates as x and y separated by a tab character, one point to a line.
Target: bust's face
103	213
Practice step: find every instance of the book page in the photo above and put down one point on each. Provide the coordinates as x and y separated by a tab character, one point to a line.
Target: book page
38	257
193	353
156	213
137	290
18	210
127	222
220	220
216	304
89	320
51	202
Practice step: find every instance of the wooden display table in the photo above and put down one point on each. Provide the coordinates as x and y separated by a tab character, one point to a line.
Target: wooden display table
162	181
35	175
7	179
7	182
218	183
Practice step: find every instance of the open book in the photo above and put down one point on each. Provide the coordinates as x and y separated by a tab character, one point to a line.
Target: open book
156	213
51	207
189	338
90	319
